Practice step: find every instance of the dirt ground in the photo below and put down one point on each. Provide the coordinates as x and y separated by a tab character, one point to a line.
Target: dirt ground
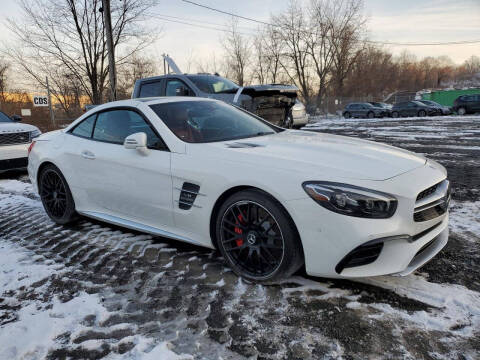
183	296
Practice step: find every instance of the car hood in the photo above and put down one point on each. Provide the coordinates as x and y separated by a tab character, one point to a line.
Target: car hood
324	154
15	127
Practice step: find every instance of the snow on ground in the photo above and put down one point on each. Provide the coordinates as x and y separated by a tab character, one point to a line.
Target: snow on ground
465	218
152	298
317	120
38	327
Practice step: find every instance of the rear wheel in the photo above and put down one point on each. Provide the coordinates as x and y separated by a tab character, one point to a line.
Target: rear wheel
257	238
56	197
288	122
347	115
461	111
371	115
395	114
422	113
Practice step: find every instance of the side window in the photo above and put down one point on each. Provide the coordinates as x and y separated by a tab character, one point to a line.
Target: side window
177	87
151	89
85	128
115	125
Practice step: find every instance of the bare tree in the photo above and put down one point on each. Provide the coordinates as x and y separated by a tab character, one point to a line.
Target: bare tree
137	67
4	67
70	35
238	50
347	23
290	30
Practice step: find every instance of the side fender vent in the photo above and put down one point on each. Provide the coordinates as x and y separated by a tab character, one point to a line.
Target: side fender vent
188	194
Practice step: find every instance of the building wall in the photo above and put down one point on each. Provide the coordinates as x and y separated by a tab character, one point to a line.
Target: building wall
447	97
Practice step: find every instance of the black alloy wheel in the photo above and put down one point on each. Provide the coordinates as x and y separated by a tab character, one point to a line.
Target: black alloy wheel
371	115
395	114
347	115
257	238
422	113
56	196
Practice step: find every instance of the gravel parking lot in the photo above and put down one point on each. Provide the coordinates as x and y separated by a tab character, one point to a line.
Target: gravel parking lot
96	291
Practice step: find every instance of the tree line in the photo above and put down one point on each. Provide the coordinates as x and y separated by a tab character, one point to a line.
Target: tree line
322	48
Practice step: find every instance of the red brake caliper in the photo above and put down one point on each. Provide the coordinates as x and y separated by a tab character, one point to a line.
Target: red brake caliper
239	231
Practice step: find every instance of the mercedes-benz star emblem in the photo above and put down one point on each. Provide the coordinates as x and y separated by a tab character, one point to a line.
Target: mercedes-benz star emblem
251	238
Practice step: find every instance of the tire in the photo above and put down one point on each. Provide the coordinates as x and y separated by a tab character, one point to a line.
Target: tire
288	122
347	115
370	115
395	114
56	197
461	111
257	237
422	113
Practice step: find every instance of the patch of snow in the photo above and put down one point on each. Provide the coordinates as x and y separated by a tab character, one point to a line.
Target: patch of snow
464	217
18	270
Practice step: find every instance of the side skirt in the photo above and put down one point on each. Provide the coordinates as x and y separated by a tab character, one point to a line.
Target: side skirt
137	226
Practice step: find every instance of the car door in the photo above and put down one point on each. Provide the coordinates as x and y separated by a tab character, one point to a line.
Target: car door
355	110
476	103
411	109
124	182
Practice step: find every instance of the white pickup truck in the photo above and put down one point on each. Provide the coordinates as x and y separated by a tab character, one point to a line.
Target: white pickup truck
15	138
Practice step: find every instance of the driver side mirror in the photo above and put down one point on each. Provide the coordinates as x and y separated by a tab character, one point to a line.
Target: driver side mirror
137	141
16	118
182	91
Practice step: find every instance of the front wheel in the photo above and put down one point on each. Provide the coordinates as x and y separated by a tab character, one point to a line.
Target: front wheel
56	197
461	111
422	113
370	115
257	237
347	115
395	114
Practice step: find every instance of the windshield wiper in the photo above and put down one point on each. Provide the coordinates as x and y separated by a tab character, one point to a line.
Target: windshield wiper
261	133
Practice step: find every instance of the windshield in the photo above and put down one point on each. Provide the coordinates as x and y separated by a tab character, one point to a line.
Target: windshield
4	118
213	84
209	121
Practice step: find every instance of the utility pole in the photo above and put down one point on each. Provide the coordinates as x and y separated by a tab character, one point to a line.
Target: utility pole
111	55
52	116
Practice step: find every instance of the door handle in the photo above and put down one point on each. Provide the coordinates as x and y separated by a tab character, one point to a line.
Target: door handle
88	155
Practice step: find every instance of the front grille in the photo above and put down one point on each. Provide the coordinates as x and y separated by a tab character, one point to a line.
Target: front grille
430	213
427	192
362	255
13	164
439	196
15	138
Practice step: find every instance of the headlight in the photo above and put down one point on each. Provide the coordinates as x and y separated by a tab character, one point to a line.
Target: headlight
351	200
35	133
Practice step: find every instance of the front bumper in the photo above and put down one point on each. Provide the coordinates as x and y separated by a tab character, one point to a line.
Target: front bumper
328	237
13	157
300	120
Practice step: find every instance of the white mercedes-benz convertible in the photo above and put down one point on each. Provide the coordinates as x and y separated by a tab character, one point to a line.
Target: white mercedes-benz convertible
270	199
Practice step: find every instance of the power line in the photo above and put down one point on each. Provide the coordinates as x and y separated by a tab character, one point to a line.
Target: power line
464	42
197	25
198	21
227	13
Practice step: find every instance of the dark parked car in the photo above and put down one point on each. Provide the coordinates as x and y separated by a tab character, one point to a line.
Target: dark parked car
467	104
414	108
387	107
363	110
444	109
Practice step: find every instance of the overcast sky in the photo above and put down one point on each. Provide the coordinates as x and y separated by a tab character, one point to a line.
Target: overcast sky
399	21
